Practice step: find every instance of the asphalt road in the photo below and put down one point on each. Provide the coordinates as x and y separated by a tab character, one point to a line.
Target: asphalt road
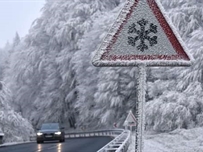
70	145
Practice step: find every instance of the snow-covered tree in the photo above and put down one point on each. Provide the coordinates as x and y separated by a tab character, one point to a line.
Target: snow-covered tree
73	20
86	74
1	63
16	40
43	75
116	95
175	109
14	127
5	54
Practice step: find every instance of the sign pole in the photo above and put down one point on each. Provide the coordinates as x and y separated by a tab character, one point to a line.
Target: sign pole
140	109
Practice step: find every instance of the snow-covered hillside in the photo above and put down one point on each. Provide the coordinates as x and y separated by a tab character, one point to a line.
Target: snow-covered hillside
180	140
50	76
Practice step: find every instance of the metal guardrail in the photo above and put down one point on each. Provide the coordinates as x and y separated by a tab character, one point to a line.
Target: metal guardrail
120	143
112	132
95	133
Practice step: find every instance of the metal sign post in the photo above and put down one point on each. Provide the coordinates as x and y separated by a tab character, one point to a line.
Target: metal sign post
140	109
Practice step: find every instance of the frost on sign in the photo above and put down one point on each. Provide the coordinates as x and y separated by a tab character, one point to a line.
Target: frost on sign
142	34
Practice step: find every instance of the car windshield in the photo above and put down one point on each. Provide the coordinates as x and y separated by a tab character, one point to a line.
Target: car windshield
50	126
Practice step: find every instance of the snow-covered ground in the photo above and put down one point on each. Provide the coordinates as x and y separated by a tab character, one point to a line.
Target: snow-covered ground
14	143
180	140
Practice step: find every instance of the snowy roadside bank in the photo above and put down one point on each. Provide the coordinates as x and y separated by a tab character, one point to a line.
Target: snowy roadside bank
180	140
14	143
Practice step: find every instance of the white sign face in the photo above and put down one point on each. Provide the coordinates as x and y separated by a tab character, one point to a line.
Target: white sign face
142	34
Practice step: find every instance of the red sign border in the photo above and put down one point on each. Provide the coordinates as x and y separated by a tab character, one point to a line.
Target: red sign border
167	30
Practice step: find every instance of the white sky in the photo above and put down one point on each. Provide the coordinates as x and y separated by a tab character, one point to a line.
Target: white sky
17	16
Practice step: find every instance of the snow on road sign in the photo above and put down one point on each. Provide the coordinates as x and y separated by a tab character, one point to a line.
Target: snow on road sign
130	120
142	34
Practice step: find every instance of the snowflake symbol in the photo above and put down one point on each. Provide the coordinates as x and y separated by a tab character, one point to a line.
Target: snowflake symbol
142	35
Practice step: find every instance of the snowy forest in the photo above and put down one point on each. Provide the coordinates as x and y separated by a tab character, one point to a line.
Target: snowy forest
48	76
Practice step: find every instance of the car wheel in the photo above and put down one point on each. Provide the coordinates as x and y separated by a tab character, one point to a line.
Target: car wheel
62	140
38	141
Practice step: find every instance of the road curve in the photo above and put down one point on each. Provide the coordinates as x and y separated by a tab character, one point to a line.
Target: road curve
91	144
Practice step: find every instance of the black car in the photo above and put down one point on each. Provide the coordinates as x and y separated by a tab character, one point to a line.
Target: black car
50	132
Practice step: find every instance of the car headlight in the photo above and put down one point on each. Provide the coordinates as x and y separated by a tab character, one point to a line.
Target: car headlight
58	133
39	134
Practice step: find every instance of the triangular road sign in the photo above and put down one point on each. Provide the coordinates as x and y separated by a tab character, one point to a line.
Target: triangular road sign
142	34
130	120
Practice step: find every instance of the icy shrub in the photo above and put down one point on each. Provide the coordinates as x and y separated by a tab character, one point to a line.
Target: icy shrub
174	110
15	128
12	124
